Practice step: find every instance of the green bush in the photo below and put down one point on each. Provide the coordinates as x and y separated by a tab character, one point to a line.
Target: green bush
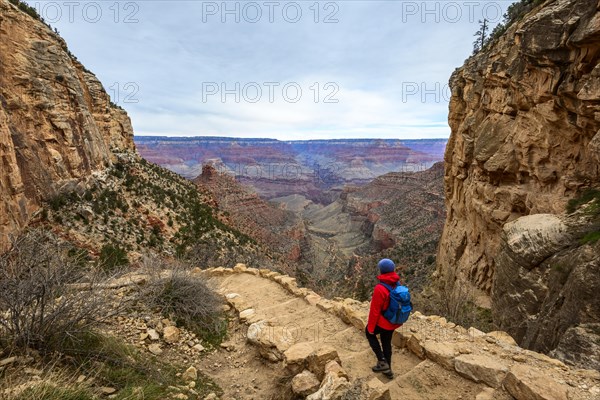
589	195
112	256
591	238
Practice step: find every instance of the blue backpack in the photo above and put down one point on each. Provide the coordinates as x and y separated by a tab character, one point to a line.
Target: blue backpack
400	304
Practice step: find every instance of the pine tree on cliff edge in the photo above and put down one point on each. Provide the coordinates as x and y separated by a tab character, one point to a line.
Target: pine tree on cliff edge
481	36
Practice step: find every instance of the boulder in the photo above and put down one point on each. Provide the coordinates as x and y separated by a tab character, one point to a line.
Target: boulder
240	267
502	338
305	383
152	334
480	368
312	298
524	383
474	333
190	374
269	341
441	353
414	345
296	357
247	314
333	367
155	349
332	388
319	359
171	334
374	389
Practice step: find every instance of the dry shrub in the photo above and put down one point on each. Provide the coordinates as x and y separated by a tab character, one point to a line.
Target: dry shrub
185	298
42	303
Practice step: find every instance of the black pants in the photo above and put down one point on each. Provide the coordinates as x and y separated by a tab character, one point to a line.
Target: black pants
386	344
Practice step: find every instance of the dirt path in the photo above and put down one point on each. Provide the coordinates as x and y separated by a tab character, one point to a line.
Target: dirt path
296	321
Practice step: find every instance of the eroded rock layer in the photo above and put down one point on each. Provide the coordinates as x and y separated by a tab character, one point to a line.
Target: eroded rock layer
525	119
57	124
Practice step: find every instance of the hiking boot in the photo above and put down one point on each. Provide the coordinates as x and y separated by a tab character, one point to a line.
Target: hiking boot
381	366
389	374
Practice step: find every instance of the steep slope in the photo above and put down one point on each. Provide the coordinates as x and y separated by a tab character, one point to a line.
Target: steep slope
68	162
44	89
525	139
272	226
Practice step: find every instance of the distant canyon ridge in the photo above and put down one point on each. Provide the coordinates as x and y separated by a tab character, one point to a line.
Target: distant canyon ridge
330	208
277	168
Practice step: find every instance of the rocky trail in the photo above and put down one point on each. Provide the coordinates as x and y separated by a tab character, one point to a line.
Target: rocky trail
317	346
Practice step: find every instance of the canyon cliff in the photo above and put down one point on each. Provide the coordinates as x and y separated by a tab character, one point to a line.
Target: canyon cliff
525	120
57	124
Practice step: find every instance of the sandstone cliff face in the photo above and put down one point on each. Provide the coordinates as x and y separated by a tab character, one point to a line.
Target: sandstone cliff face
525	119
56	121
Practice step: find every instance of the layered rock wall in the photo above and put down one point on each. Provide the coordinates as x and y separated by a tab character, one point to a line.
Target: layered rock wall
525	120
57	124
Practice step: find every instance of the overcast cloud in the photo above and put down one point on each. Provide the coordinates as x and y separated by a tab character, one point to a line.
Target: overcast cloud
290	70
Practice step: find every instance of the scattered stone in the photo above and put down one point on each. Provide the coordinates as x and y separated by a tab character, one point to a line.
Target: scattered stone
210	396
190	374
305	383
155	349
229	346
171	334
153	335
246	314
107	390
312	299
198	347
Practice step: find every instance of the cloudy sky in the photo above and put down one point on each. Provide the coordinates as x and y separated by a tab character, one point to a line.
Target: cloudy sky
280	69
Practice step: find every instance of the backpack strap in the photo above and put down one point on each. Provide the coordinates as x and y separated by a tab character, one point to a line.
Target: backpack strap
388	287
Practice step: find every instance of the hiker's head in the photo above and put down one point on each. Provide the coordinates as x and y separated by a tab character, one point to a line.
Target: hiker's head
386	265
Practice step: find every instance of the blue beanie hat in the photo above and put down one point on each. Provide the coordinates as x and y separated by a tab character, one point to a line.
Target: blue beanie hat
386	265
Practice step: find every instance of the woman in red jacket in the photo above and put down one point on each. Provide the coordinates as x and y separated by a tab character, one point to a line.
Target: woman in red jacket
377	324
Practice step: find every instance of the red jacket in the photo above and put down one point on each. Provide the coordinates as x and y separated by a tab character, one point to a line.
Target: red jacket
380	302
